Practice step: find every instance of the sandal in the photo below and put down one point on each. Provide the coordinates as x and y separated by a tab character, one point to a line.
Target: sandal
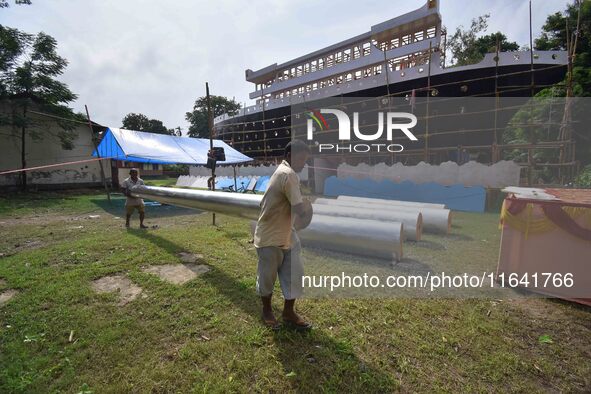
300	325
272	324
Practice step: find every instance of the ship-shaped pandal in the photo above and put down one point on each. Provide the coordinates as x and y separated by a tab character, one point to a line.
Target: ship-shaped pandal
401	57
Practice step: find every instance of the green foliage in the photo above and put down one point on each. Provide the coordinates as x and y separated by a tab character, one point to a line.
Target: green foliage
29	66
583	180
198	117
180	168
141	122
554	37
467	48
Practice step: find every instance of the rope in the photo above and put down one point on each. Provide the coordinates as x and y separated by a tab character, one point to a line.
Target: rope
53	165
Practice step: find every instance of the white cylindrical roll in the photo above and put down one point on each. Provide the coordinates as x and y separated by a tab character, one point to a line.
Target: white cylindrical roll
413	221
434	220
391	202
356	236
363	237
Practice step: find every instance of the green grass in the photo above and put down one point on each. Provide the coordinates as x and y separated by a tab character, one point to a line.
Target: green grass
206	336
162	181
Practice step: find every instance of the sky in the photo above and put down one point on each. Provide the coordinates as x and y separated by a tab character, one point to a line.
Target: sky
154	57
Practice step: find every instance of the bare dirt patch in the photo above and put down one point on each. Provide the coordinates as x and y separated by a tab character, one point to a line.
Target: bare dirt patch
2	282
177	274
120	284
5	296
191	258
539	309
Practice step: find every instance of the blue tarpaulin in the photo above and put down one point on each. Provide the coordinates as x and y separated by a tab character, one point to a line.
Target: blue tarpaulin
142	147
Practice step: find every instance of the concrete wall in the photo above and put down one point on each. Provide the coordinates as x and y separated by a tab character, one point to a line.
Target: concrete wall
48	150
501	174
242	171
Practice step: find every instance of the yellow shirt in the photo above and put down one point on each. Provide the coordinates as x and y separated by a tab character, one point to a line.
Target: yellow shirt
275	222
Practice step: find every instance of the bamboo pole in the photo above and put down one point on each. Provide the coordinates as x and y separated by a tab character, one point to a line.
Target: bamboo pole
210	126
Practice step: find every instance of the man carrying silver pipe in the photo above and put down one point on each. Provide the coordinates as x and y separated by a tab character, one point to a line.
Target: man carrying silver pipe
276	241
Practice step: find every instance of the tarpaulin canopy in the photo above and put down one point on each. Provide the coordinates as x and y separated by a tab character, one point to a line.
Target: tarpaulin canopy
142	147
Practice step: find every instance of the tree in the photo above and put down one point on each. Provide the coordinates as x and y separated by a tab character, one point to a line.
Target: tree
467	48
487	44
554	37
141	122
462	42
198	117
29	66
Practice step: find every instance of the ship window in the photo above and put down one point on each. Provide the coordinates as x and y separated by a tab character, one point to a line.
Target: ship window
347	55
383	46
349	77
406	39
339	79
322	84
358	74
339	57
367	73
320	64
431	32
366	49
330	82
329	60
298	71
292	73
314	86
377	70
313	66
418	36
356	52
395	43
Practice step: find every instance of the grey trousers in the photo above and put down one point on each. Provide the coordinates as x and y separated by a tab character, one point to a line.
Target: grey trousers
285	263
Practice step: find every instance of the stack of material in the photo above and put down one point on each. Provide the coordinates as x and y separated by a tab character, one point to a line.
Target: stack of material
435	217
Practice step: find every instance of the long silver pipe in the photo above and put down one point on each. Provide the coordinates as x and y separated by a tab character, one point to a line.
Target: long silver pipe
413	221
435	220
233	204
391	202
362	237
356	236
